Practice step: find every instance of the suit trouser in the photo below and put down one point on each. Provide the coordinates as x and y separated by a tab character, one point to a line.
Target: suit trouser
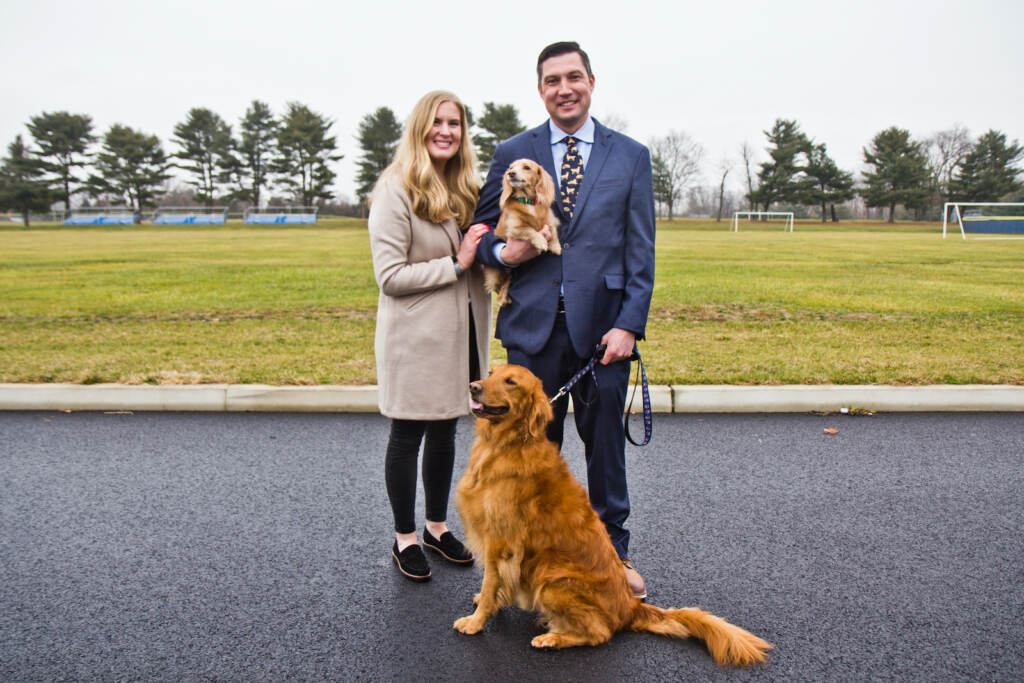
598	422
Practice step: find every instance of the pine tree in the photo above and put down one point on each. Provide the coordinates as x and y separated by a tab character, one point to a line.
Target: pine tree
63	140
22	186
304	150
989	170
499	122
828	184
379	133
782	179
900	174
205	146
250	159
131	166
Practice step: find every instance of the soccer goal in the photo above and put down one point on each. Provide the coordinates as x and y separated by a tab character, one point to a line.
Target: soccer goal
190	215
102	215
992	221
767	215
282	215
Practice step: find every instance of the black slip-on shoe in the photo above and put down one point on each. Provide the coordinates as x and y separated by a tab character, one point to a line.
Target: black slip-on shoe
448	547
411	562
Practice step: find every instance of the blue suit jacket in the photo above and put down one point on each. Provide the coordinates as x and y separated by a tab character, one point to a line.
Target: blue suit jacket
606	269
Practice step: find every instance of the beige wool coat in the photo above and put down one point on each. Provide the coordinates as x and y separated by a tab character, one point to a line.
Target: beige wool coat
422	336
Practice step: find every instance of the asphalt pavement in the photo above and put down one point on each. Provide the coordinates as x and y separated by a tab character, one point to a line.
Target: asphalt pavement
256	546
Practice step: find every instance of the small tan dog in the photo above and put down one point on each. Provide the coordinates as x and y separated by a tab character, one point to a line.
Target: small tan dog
527	195
530	525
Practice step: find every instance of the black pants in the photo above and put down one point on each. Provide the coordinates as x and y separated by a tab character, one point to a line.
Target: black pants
400	469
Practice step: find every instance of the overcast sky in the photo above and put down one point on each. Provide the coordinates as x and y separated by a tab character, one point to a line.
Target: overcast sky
722	72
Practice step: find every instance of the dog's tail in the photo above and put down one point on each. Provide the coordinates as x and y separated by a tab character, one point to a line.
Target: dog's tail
727	643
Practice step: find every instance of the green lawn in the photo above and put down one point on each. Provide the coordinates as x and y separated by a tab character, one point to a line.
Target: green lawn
865	303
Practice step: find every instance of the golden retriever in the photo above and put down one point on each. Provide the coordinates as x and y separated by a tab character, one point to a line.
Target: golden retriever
527	194
541	545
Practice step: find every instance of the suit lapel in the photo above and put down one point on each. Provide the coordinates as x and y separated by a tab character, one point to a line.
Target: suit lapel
598	155
542	154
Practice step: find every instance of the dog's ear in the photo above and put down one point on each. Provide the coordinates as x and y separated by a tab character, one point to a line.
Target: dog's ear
506	191
540	414
545	188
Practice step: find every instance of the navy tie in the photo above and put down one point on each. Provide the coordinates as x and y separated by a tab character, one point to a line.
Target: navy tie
571	177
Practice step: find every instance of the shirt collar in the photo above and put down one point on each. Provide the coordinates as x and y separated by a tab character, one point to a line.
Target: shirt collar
584	134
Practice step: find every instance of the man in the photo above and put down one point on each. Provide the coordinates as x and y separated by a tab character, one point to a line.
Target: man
598	291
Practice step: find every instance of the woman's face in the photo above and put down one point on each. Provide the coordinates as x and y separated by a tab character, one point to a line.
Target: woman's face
446	134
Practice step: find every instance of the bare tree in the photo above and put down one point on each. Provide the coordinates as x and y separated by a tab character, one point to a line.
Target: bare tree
678	156
946	151
747	154
615	122
724	167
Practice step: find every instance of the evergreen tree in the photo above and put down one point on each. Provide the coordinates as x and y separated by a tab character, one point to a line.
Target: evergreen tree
249	162
379	133
989	170
304	150
131	166
660	178
828	184
63	141
22	186
900	174
205	142
782	179
499	122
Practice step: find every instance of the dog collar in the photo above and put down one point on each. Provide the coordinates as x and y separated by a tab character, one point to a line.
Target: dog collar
527	200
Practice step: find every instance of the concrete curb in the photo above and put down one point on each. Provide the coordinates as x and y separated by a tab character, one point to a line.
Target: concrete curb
363	399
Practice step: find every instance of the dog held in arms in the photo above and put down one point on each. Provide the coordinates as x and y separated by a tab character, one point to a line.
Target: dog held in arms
527	194
529	523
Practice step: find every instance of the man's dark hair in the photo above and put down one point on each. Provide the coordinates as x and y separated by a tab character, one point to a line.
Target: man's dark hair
562	48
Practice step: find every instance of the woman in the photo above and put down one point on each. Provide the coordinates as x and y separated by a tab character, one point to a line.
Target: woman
432	317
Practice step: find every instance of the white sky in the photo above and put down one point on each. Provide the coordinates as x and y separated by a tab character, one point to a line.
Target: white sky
722	72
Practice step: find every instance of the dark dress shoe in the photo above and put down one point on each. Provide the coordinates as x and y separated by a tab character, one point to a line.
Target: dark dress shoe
449	547
411	562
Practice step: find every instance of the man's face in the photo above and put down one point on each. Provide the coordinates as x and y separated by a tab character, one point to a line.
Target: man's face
565	88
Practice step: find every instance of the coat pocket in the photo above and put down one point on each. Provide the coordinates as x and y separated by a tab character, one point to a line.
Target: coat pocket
615	281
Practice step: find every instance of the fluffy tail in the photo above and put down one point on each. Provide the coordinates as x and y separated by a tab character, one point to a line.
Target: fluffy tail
728	644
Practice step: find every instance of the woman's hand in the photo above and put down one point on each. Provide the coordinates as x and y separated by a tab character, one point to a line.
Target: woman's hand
470	240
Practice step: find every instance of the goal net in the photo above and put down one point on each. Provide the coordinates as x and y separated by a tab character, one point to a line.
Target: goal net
102	215
282	215
980	221
190	215
763	216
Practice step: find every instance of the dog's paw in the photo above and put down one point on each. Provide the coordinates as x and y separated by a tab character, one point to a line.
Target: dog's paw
469	625
545	641
476	599
555	248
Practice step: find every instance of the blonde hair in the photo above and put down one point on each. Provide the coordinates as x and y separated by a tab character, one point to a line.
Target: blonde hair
434	198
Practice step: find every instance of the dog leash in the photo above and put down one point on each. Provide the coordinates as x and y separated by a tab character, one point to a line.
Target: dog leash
589	367
641	379
646	398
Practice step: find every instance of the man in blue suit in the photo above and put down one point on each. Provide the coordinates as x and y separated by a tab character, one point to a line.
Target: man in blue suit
598	291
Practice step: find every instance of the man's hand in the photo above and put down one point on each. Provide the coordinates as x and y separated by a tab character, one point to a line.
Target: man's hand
519	251
620	345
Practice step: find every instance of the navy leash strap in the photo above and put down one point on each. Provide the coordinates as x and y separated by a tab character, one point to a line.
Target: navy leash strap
589	367
641	375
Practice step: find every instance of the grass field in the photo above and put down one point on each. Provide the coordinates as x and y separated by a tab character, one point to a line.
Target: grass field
861	303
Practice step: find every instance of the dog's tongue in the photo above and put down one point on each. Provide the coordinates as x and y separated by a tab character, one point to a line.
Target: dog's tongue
475	405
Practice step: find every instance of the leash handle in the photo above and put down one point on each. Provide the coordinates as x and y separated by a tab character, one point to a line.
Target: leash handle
646	397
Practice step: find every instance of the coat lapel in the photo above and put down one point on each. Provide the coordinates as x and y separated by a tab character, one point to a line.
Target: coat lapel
598	155
542	153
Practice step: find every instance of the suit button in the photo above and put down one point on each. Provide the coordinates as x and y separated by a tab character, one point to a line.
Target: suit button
565	245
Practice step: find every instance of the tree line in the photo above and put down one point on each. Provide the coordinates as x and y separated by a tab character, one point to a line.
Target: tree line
293	153
917	175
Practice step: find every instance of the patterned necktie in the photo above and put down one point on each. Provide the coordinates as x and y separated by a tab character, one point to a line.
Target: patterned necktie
571	178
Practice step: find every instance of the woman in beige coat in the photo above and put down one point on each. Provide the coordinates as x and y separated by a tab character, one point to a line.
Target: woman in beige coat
432	317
